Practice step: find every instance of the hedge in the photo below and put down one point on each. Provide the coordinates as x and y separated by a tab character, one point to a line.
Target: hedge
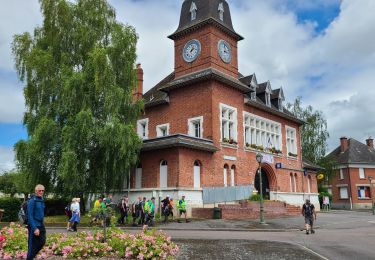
11	206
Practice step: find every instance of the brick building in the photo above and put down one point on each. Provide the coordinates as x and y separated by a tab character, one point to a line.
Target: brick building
204	123
350	185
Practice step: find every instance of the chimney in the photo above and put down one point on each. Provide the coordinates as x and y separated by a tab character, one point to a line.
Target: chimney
138	91
370	142
344	143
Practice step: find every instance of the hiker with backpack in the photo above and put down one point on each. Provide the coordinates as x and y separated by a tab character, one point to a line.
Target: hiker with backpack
308	211
181	207
68	214
123	206
35	222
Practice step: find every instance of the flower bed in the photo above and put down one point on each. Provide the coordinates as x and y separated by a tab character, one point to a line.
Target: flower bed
145	245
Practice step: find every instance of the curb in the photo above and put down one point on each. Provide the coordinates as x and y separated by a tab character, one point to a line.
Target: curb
195	229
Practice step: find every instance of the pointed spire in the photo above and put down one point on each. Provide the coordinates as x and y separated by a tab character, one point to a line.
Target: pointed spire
221	11
193	11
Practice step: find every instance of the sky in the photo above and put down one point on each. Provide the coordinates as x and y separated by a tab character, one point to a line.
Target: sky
321	50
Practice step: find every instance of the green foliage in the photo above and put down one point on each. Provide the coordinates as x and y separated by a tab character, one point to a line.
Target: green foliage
255	197
11	206
314	133
78	69
329	164
13	182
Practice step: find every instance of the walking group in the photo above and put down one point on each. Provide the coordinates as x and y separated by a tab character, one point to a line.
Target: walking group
143	210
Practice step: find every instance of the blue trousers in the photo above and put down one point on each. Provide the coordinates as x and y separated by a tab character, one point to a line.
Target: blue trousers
35	243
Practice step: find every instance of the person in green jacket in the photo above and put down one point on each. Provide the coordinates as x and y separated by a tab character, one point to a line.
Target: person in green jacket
150	209
181	207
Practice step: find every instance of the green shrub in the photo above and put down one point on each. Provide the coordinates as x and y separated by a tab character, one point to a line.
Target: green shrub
255	197
55	207
11	206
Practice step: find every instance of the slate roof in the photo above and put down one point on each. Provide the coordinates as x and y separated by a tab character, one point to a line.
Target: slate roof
155	97
159	93
306	164
357	152
207	13
178	140
205	74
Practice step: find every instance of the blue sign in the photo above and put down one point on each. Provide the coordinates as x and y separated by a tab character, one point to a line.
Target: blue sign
278	165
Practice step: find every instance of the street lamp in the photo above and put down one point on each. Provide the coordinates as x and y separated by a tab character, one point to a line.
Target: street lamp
372	195
259	158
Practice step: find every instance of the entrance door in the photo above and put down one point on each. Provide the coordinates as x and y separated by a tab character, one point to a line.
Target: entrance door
163	174
265	184
197	175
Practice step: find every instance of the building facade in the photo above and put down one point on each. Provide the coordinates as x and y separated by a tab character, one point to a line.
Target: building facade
351	182
204	123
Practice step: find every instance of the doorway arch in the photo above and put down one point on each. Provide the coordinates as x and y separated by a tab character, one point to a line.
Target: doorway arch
269	181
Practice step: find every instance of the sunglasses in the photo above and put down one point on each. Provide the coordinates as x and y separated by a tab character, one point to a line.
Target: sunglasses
40	190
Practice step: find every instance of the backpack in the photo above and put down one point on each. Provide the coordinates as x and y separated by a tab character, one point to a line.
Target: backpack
308	210
22	213
67	210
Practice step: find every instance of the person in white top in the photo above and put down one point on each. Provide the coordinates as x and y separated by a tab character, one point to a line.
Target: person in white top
76	214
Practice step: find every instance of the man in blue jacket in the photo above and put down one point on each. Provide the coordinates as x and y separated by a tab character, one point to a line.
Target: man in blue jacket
35	219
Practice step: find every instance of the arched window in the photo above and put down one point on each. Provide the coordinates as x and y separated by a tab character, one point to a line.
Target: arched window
163	174
197	174
291	182
295	182
138	176
309	184
225	175
232	171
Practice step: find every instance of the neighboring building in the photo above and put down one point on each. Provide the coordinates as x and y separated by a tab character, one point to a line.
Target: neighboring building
350	186
204	123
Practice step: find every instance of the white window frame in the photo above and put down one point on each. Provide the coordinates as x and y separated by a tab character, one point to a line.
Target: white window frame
259	131
228	121
253	96
191	126
268	99
291	181
341	174
142	128
362	173
281	108
291	141
342	194
160	128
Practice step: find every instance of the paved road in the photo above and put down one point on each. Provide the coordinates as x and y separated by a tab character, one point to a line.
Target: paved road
339	235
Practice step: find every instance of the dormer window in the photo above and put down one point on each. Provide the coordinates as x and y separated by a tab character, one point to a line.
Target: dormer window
221	11
193	11
268	99
281	105
253	96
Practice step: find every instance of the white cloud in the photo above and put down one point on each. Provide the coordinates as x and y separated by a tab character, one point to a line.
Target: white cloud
12	102
6	159
16	16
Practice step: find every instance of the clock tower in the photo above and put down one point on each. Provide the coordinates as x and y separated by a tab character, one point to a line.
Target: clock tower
205	39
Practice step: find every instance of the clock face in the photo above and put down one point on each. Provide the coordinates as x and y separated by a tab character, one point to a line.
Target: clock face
225	51
191	50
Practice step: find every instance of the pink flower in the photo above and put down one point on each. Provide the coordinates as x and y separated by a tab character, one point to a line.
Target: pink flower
10	231
140	256
89	238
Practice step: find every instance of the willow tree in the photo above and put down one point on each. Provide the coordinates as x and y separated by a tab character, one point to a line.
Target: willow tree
78	70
